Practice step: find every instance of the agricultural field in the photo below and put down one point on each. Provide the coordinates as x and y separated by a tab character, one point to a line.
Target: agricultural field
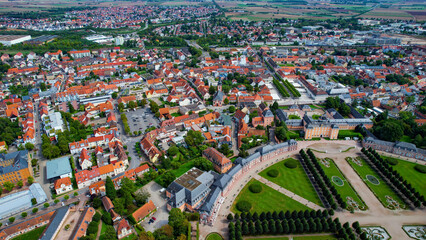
377	185
388	13
341	184
407	171
266	200
292	179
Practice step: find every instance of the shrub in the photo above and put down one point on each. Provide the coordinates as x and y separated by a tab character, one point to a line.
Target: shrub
291	163
420	168
255	188
273	173
392	161
243	206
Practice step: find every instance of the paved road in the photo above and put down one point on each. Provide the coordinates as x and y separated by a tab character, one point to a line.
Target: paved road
162	215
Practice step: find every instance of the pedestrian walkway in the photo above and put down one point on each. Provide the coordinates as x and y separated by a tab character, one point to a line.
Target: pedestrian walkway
288	193
290	236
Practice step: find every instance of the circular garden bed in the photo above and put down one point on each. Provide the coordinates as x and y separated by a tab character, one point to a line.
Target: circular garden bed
373	179
291	163
273	173
243	206
338	181
214	236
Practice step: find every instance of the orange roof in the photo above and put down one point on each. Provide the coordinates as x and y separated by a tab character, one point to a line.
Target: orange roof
83	223
106	169
144	211
66	181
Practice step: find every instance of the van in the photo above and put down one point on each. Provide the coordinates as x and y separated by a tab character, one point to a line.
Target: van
162	190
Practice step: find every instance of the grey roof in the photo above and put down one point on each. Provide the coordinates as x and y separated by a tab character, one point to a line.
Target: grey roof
55	223
406	145
222	181
268	113
20	161
219	96
58	167
21	201
282	116
226	120
210	200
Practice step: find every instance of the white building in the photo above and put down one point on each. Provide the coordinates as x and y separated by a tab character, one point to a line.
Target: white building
53	123
9	40
63	185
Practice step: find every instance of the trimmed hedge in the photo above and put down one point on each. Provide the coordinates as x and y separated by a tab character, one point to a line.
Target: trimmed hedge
255	188
291	163
243	206
420	168
273	173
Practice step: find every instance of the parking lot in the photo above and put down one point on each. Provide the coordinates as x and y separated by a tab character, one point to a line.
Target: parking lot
141	119
161	215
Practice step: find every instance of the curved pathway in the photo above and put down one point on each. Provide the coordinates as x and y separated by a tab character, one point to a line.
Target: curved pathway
288	193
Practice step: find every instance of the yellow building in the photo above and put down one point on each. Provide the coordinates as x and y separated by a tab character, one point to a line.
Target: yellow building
15	167
321	131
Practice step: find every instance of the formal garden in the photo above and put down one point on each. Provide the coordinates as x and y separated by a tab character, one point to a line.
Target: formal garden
399	184
376	233
375	182
31	235
343	187
290	175
257	197
416	232
414	173
214	236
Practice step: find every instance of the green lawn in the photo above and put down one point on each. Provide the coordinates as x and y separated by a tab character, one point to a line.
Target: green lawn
183	168
214	236
293	179
346	190
267	200
271	238
407	171
382	189
31	235
323	237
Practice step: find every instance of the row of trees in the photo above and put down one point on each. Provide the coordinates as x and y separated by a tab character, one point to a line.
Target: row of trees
280	88
319	180
286	223
125	123
291	88
401	186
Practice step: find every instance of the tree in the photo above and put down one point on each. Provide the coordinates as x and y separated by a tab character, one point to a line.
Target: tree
231	109
30	180
154	106
119	205
92	228
212	90
226	101
8	186
33	201
388	130
142	196
173	150
29	146
75	194
203	164
24	214
96	217
20	184
46	205
131	104
106	218
177	221
35	210
114	95
66	197
110	233
11	220
56	201
110	189
281	133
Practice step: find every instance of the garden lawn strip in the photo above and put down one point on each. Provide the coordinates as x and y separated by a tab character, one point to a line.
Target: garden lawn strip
294	180
382	189
267	200
346	190
413	177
